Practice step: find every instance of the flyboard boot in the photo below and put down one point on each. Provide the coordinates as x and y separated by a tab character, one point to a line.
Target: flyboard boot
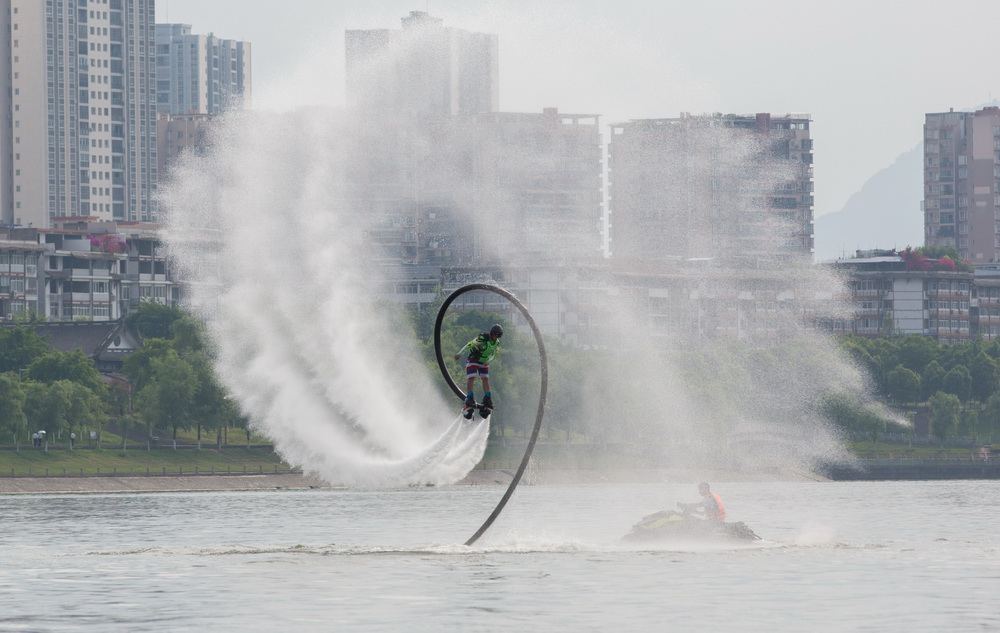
487	407
469	407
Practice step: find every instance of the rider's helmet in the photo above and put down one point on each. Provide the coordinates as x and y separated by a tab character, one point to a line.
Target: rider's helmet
496	331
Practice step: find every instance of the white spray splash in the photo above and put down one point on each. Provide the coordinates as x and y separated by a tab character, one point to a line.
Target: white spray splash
273	257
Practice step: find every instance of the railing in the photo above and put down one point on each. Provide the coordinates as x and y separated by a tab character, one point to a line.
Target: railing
930	440
150	472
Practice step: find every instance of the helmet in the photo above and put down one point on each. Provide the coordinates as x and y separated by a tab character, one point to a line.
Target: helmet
496	331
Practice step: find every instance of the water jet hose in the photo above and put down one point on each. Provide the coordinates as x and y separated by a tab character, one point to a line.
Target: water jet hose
461	394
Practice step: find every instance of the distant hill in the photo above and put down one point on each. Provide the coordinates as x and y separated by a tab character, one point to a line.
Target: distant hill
885	213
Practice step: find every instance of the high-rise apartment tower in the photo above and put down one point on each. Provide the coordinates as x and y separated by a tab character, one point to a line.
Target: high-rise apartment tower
962	183
424	69
711	187
79	132
199	74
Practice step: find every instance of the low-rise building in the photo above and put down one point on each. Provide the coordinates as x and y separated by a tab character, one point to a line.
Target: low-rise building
84	269
896	297
18	276
107	343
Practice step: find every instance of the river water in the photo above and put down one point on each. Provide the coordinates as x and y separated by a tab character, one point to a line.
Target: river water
858	556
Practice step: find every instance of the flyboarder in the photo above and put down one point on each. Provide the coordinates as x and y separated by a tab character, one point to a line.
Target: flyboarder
482	350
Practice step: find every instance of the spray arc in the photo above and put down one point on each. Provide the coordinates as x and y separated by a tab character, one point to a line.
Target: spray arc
461	395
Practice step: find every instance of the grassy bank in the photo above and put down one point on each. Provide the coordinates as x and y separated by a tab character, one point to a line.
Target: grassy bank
82	461
111	460
886	450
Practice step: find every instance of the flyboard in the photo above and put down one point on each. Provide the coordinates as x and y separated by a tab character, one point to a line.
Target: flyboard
485	413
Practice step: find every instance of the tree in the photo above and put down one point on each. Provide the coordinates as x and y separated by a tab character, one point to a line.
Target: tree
480	321
942	253
969	423
958	381
47	406
168	400
85	408
19	346
154	320
188	335
863	356
12	416
138	367
71	366
985	376
211	406
932	379
916	352
424	317
991	415
845	411
945	411
903	385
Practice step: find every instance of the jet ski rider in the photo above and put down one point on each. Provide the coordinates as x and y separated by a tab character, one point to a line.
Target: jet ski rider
710	508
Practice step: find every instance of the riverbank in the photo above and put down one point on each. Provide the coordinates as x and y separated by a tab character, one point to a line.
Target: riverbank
297	481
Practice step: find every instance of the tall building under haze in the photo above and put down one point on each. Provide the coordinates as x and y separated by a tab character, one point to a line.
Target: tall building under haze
79	132
711	187
423	69
464	190
962	183
538	186
199	74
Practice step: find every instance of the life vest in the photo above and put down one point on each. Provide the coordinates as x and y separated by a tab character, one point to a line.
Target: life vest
482	349
720	510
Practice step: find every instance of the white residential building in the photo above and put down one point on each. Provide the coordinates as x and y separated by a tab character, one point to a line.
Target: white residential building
425	68
199	74
892	298
79	137
724	186
962	183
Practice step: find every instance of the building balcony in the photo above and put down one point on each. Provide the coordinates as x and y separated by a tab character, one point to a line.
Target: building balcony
867	331
87	297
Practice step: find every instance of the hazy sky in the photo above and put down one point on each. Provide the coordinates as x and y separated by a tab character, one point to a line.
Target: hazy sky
865	70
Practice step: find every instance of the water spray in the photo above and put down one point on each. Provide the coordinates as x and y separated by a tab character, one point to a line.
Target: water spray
461	395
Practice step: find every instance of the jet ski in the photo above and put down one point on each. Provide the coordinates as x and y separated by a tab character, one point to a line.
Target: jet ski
671	525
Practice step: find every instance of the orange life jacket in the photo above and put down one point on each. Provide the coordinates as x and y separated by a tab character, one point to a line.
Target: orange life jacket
720	510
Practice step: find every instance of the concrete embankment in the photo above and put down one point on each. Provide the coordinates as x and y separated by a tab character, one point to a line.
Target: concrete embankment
157	483
865	470
916	469
295	481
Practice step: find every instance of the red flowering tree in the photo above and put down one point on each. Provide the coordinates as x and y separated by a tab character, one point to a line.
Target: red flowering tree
920	259
946	263
915	260
107	243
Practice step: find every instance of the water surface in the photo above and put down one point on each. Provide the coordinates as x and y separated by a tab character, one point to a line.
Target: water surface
858	556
